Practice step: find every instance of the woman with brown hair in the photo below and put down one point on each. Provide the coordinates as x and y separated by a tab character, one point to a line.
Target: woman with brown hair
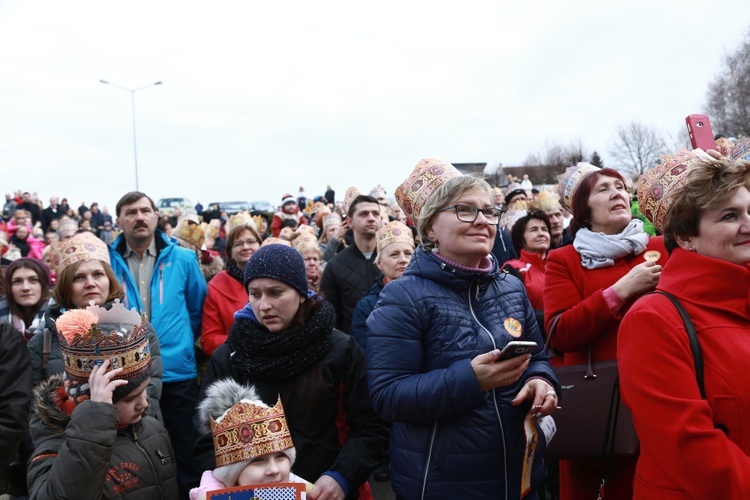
285	344
692	423
27	285
84	276
226	295
589	285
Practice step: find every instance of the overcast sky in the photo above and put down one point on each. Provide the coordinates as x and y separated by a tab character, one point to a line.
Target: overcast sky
261	97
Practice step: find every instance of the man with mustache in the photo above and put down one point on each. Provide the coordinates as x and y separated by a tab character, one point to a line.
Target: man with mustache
349	275
165	282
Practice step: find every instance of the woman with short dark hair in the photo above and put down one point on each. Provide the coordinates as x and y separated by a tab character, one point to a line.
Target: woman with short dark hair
693	445
589	285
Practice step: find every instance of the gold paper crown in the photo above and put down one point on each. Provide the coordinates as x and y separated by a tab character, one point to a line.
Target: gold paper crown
90	336
248	430
428	175
546	201
570	180
351	193
240	219
394	232
259	221
329	219
304	239
656	186
275	241
82	246
190	232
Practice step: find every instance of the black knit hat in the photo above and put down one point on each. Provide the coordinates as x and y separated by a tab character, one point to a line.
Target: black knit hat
278	262
513	193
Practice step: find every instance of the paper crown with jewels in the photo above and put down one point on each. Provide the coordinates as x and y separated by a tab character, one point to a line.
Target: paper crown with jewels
94	334
428	175
546	201
82	246
349	197
570	180
250	429
189	231
394	232
656	185
240	219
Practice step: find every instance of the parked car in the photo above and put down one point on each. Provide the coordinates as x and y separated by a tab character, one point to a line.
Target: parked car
166	205
261	206
231	207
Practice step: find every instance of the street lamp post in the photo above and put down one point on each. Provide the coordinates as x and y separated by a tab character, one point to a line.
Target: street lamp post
132	103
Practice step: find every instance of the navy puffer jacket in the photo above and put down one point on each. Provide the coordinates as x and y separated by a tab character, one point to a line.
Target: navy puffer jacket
449	438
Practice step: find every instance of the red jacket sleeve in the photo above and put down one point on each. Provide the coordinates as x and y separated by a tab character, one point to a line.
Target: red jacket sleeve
680	448
213	331
582	317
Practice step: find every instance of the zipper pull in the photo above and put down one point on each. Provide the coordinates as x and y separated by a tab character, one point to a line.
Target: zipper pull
163	458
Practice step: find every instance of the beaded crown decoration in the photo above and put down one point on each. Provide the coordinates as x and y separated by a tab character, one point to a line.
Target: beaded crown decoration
570	180
428	175
248	430
82	246
90	336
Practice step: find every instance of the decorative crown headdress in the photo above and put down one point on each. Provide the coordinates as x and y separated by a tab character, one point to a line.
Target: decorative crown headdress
428	175
82	246
240	219
90	336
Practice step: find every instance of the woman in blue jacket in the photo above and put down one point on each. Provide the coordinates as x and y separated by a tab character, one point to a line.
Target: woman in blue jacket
465	421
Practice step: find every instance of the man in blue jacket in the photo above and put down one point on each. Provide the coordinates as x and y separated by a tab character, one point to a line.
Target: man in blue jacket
164	281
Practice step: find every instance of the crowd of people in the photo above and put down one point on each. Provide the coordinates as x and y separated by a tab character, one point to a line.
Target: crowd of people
336	342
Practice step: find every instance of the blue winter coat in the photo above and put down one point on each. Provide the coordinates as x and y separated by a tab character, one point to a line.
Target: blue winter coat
449	438
177	292
363	310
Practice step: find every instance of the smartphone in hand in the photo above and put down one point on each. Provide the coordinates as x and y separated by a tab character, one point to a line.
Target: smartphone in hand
516	348
701	135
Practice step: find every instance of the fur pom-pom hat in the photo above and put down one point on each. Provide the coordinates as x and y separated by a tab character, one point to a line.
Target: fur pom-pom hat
243	428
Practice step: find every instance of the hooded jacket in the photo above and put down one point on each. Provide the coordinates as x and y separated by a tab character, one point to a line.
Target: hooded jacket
85	455
177	292
449	437
344	436
56	364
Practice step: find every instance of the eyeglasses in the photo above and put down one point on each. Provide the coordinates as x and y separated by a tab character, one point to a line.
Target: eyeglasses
469	213
241	244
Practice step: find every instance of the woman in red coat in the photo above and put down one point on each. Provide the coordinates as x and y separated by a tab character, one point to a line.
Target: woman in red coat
693	446
589	286
531	240
226	295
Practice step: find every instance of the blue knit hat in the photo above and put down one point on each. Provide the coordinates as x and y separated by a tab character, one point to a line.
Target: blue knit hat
278	262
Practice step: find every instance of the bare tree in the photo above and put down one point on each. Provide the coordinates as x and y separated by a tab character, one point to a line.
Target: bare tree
636	149
557	155
728	99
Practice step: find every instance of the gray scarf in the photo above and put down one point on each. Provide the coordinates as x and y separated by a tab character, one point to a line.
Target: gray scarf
600	250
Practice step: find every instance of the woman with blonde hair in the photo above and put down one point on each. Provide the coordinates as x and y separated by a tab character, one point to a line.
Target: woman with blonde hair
464	418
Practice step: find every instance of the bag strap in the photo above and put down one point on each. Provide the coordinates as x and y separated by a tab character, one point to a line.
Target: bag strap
590	368
695	345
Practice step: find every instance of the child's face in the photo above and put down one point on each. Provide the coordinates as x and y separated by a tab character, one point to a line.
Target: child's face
268	468
132	406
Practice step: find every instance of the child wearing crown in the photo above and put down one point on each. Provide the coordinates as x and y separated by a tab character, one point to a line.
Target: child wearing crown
252	442
91	432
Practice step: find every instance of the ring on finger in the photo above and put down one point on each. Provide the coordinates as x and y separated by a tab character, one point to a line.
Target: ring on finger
550	393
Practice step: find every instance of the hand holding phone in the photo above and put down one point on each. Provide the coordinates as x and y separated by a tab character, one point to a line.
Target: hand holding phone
701	135
516	348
